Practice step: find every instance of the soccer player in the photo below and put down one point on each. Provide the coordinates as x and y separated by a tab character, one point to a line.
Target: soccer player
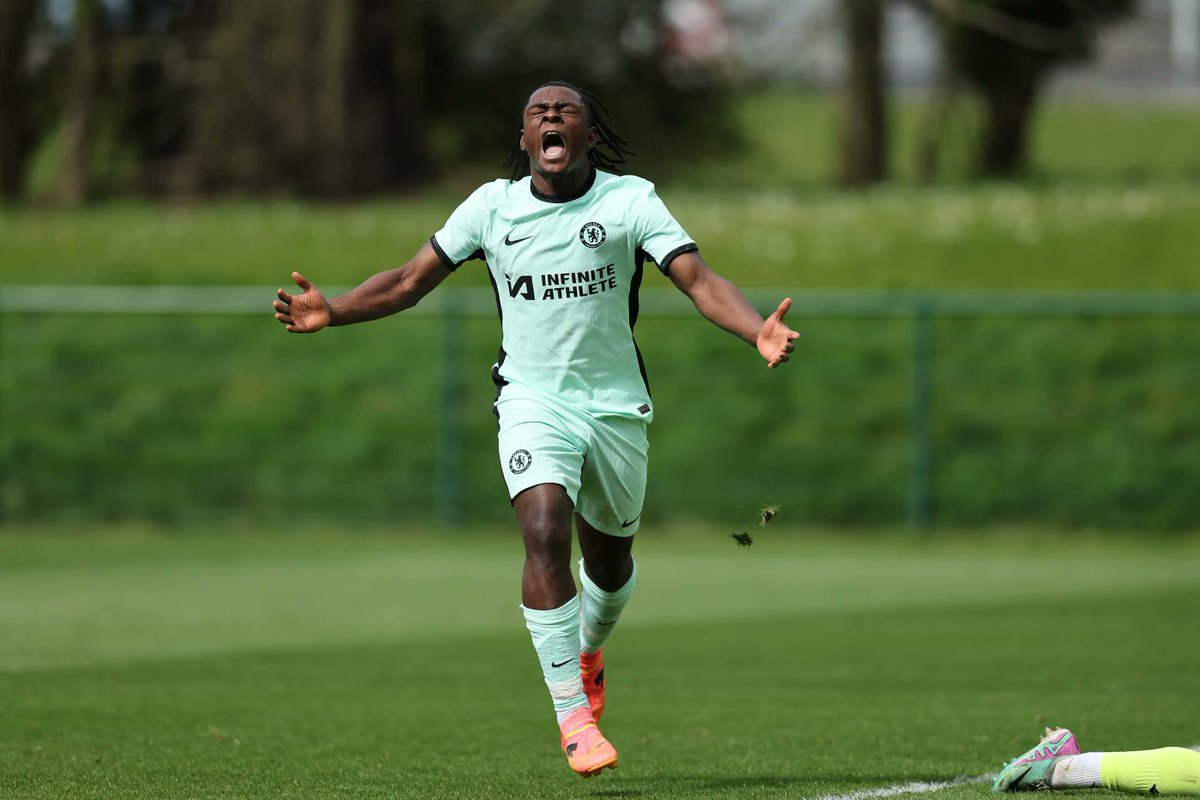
565	241
1056	763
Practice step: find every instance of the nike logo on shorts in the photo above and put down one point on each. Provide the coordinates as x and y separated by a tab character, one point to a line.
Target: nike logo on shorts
630	522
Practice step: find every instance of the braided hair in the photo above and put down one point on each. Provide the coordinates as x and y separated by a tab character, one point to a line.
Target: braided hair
615	149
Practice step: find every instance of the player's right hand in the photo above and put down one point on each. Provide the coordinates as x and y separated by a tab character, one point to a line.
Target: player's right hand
306	312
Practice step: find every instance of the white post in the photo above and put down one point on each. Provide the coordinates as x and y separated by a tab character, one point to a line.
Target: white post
1185	38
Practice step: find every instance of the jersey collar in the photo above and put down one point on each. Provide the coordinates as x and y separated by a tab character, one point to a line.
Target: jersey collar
565	198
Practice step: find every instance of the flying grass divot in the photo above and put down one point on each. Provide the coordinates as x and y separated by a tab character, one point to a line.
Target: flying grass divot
767	514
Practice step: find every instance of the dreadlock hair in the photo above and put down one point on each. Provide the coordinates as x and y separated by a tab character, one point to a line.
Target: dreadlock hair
615	149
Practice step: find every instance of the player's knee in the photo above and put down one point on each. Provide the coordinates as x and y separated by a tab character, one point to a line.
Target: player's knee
611	571
546	538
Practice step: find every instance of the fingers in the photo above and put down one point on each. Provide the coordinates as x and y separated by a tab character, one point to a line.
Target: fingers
283	307
301	281
789	346
783	308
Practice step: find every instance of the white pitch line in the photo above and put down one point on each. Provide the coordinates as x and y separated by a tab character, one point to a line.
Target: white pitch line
917	787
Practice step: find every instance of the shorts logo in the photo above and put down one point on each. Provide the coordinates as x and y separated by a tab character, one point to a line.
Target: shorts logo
592	235
519	462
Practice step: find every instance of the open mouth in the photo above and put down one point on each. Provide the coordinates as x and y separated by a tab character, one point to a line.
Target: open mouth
553	144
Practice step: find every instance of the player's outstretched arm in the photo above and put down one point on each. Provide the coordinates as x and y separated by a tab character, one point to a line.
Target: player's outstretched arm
378	296
725	306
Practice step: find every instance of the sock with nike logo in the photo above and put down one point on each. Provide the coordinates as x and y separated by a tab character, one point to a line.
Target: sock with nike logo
600	609
555	634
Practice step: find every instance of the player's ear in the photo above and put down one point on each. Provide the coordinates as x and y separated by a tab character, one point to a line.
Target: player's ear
592	137
521	139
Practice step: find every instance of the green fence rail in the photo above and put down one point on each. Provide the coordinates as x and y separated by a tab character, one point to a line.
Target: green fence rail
453	306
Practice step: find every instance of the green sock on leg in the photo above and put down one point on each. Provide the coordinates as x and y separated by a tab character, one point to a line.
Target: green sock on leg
555	634
600	609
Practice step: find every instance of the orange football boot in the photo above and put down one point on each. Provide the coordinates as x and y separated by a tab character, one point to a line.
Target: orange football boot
588	752
591	668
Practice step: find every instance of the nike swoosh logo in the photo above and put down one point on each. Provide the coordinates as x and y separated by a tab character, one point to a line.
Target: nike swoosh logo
561	663
511	242
630	522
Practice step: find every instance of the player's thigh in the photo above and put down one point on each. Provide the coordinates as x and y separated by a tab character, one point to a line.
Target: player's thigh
614	476
535	446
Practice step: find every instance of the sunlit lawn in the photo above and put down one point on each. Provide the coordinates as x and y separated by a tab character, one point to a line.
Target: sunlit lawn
194	666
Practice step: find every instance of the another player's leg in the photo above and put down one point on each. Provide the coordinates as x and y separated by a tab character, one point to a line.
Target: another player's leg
1033	768
551	610
1167	770
607	578
1051	765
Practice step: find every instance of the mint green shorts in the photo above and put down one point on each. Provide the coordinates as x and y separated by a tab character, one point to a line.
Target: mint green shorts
600	461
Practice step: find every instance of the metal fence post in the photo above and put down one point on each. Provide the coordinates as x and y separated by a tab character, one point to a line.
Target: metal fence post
920	494
450	423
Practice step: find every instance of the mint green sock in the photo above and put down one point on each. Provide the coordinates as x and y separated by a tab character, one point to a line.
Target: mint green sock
600	609
555	634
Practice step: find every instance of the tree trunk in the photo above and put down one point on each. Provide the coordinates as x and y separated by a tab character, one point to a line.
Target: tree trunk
931	131
1009	105
80	112
16	128
335	53
864	124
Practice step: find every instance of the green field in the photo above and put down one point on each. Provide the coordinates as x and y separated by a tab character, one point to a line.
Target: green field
1095	428
252	664
1075	421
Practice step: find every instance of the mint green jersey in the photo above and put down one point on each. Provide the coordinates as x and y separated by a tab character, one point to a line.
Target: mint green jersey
566	272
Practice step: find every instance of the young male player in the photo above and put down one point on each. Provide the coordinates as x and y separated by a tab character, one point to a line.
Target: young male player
1056	763
565	249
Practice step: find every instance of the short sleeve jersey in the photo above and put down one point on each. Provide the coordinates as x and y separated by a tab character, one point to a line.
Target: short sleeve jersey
566	272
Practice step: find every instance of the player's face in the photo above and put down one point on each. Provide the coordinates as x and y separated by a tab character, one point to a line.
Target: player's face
556	133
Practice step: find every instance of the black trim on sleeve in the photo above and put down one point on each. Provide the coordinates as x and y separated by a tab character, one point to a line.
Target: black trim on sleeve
690	247
448	262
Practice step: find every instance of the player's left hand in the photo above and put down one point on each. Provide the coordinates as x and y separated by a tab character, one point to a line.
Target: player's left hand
775	338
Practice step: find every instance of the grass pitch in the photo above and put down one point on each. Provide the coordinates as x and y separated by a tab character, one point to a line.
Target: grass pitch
314	666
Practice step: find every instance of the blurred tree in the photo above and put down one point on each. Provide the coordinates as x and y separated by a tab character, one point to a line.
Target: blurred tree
1005	50
864	118
316	98
670	111
79	112
329	99
153	51
17	129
